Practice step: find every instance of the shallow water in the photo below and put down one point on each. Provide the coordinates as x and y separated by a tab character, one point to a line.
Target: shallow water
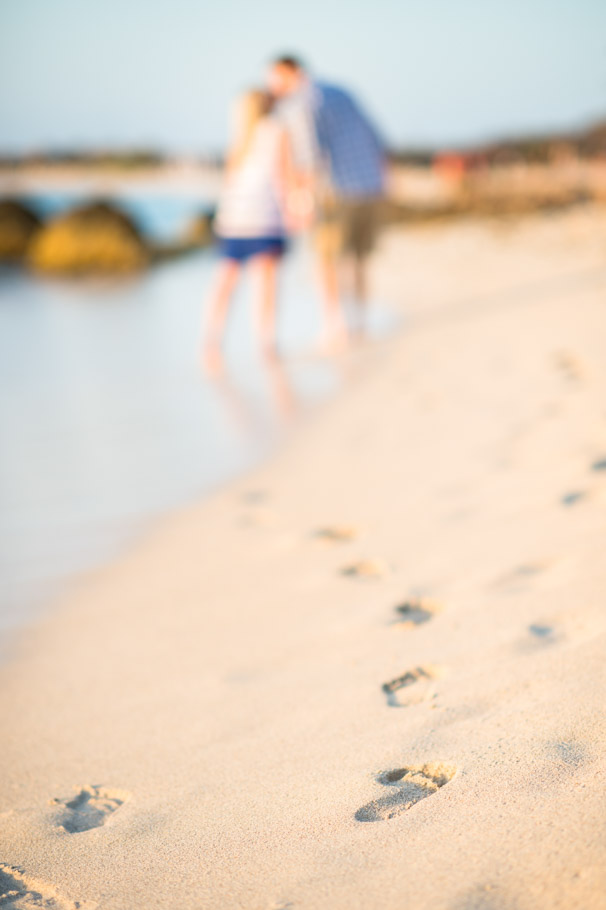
107	419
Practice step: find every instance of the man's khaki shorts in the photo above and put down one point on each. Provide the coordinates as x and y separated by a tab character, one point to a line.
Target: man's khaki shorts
346	226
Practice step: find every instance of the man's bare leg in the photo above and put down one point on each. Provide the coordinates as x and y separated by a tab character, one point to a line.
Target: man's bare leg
335	333
359	284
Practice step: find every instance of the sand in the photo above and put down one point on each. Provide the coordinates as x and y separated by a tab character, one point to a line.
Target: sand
229	718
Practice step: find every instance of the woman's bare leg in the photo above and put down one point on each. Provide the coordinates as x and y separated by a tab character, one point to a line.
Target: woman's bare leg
218	308
266	268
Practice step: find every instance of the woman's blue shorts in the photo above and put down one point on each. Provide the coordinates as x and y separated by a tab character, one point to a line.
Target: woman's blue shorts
243	248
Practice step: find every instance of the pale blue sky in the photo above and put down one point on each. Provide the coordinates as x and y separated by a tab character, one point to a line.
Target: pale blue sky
163	72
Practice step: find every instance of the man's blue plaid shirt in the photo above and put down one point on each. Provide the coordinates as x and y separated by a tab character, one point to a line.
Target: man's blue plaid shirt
348	142
328	129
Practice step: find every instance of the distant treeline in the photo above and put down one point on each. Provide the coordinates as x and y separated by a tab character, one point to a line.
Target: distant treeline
129	159
546	149
540	149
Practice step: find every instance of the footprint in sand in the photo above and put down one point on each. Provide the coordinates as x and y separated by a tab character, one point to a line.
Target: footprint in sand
571	754
22	892
574	497
541	635
366	568
485	897
540	631
544	634
569	365
410	786
90	808
595	495
599	465
400	692
336	534
416	610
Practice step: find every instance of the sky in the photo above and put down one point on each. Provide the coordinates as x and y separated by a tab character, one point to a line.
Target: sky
163	73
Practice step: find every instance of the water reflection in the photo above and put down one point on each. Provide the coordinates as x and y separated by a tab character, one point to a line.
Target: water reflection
241	408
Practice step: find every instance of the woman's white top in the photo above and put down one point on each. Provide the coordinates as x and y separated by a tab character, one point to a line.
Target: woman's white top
249	204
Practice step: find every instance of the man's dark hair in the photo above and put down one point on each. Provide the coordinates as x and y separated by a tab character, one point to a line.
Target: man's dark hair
290	61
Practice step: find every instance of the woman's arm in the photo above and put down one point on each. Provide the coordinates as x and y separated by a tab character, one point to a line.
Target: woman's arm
295	187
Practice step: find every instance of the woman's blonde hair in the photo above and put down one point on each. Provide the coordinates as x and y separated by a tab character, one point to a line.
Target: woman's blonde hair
251	107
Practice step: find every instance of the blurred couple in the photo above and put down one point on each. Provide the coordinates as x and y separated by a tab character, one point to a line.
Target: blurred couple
303	156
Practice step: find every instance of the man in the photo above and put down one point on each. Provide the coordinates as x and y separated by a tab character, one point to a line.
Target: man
339	150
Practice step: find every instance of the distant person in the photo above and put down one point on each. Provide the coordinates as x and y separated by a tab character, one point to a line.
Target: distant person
339	149
252	220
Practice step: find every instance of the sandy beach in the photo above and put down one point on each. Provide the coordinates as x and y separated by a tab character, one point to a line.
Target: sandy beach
371	674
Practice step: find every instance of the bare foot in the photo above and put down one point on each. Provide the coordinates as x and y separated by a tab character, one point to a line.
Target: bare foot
269	351
335	341
212	359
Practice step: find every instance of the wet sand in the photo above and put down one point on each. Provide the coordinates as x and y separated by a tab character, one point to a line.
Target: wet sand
371	674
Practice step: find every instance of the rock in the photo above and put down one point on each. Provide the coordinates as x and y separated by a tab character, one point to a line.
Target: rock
199	232
94	238
18	224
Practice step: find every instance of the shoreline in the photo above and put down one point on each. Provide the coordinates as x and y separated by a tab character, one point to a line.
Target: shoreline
210	713
129	539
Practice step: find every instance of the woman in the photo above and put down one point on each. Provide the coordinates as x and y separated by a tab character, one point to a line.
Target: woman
253	218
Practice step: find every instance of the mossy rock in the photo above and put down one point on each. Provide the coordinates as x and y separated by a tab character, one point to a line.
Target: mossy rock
96	238
18	224
199	231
